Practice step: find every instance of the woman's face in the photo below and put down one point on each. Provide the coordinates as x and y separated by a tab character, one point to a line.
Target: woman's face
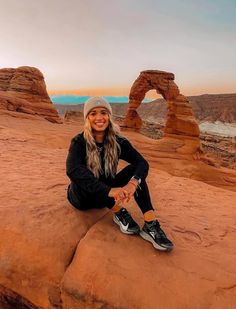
99	119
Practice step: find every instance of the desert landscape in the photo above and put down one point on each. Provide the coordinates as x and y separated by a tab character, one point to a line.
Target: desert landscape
54	256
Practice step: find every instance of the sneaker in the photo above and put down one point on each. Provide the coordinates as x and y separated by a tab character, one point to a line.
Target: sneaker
152	232
126	222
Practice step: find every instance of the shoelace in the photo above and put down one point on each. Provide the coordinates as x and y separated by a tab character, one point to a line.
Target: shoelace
156	227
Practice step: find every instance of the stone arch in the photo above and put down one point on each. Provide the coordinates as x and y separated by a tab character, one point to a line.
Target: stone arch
180	117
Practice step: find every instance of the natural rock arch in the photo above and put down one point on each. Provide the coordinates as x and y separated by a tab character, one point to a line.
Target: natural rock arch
180	117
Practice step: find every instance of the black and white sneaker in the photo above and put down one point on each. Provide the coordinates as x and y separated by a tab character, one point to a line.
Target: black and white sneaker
126	222
152	232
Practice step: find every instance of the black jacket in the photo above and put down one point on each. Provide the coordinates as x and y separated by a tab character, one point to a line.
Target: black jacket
78	172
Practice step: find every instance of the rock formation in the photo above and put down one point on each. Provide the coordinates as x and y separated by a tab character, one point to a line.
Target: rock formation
180	118
53	256
180	123
24	90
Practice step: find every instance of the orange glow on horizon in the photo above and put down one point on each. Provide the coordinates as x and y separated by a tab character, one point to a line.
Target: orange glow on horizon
93	91
152	94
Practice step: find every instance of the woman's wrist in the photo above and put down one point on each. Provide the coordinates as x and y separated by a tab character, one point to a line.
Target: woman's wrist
134	183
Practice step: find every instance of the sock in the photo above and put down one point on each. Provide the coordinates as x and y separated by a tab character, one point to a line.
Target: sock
149	216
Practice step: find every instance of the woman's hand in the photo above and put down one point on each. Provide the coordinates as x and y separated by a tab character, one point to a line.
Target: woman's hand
119	194
125	193
130	188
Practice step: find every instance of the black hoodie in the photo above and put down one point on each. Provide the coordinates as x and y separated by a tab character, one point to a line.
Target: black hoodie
77	171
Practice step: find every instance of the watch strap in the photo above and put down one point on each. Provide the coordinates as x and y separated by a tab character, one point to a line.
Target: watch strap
138	179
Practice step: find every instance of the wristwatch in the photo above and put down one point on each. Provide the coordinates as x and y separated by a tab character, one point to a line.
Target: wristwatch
138	179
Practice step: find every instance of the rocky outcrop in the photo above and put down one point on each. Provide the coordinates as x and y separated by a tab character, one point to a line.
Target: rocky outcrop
24	90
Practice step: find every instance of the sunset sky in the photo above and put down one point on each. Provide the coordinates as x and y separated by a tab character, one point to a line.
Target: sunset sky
100	46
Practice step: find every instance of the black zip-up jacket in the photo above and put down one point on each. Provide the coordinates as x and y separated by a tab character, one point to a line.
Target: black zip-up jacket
78	172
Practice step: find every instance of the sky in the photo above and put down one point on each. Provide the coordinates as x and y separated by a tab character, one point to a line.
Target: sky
99	47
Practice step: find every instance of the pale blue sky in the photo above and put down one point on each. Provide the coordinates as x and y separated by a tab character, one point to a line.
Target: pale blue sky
105	43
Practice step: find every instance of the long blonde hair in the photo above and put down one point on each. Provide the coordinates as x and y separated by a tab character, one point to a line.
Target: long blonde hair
111	150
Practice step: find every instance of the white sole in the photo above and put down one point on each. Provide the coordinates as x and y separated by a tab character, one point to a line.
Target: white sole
150	239
123	231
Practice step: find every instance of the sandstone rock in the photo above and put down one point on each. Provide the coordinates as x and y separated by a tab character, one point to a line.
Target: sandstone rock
24	90
179	109
53	256
180	118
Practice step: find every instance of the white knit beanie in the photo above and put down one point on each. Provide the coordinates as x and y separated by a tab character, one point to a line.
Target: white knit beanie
96	102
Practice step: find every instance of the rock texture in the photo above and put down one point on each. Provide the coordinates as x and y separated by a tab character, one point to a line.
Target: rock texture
222	149
55	257
24	90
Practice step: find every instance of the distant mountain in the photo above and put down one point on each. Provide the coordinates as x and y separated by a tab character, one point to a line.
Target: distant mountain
215	107
74	99
207	107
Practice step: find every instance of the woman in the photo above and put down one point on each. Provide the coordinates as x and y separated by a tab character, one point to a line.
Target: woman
92	168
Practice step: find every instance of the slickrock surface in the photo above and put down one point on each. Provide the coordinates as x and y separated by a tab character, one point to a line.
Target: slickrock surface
24	90
53	256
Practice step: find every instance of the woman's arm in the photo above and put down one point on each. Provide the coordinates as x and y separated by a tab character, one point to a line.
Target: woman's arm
132	156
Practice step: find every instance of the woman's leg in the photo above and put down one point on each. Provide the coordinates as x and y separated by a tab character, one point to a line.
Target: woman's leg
142	197
151	230
81	200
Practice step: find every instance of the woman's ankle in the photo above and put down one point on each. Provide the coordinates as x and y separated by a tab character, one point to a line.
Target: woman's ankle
149	216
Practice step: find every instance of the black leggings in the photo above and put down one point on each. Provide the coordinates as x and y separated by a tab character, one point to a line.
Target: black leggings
82	200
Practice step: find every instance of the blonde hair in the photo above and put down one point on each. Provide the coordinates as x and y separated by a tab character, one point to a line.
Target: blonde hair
111	149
